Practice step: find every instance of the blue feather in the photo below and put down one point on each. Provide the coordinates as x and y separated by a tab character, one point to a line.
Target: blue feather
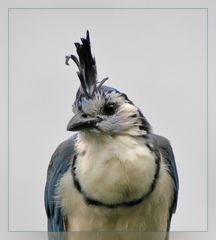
59	164
163	145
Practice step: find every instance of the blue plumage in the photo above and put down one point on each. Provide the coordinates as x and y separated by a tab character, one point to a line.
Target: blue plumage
61	161
115	162
59	164
165	149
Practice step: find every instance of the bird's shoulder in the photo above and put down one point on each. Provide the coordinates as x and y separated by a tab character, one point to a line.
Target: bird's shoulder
62	155
59	164
163	145
158	140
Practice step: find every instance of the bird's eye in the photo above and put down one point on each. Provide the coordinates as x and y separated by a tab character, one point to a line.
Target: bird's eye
109	109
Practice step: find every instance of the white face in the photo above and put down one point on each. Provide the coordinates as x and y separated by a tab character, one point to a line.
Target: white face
117	113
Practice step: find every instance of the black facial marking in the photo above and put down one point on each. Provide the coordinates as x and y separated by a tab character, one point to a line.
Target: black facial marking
84	115
109	109
145	124
126	98
142	127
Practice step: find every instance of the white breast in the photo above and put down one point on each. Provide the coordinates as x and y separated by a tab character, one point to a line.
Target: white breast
112	168
112	171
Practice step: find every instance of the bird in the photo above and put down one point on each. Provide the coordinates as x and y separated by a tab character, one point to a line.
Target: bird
113	174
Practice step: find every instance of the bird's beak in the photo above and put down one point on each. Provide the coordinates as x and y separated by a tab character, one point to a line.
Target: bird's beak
81	121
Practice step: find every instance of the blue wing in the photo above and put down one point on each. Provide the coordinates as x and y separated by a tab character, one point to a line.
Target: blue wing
163	145
59	164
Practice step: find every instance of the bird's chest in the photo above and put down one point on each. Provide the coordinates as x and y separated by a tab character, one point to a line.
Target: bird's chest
112	172
150	215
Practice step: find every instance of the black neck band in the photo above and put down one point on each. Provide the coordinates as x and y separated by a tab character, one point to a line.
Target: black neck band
92	201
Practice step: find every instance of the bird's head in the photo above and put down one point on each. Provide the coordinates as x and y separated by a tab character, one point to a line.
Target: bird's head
99	108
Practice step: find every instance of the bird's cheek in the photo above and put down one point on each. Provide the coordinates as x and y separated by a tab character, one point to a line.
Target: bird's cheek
103	126
109	127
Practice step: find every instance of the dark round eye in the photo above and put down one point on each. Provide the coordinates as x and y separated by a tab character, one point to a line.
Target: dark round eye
109	108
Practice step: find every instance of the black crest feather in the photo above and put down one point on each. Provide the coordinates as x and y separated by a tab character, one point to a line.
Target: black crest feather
87	67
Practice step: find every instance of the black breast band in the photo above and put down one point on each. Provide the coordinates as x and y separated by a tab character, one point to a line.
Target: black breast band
92	201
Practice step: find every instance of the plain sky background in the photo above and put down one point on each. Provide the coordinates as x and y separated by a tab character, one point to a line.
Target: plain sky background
157	57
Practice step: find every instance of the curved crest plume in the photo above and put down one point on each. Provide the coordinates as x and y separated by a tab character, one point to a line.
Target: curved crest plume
87	67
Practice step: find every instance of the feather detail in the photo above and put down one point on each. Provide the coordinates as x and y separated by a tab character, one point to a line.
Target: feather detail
87	66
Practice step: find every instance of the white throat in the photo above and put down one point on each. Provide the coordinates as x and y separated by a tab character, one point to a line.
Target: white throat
111	168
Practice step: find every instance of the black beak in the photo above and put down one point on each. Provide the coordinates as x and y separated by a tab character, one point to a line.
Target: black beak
82	121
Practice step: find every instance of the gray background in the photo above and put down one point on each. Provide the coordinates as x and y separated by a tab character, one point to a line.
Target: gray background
157	57
4	5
